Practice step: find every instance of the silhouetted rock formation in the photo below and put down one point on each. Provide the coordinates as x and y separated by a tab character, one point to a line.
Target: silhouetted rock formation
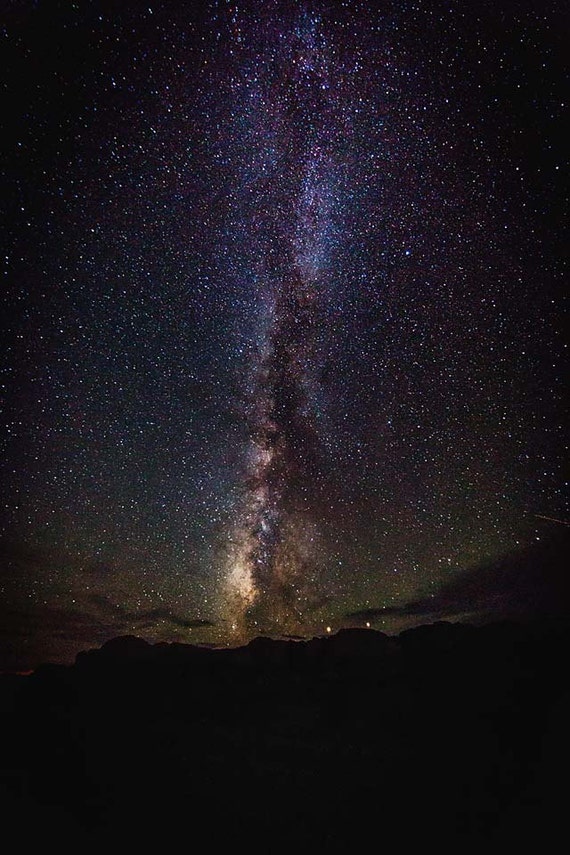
447	734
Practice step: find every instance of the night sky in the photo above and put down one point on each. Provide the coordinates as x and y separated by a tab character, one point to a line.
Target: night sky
283	317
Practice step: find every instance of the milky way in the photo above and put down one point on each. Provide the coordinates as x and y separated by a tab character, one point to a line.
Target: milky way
283	315
274	549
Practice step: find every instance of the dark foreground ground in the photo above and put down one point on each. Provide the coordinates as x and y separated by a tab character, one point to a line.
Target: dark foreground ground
447	734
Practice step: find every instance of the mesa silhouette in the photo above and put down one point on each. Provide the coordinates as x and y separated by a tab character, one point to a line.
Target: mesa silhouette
446	733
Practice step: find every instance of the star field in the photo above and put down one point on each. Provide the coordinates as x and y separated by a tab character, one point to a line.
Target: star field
283	313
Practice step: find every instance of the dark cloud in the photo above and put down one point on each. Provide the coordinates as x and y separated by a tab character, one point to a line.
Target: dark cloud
146	619
38	633
532	581
197	623
154	615
31	634
54	622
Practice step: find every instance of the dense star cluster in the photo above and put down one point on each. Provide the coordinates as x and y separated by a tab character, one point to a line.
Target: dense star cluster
283	314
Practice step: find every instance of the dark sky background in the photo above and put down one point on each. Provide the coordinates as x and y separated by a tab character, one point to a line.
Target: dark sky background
283	317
